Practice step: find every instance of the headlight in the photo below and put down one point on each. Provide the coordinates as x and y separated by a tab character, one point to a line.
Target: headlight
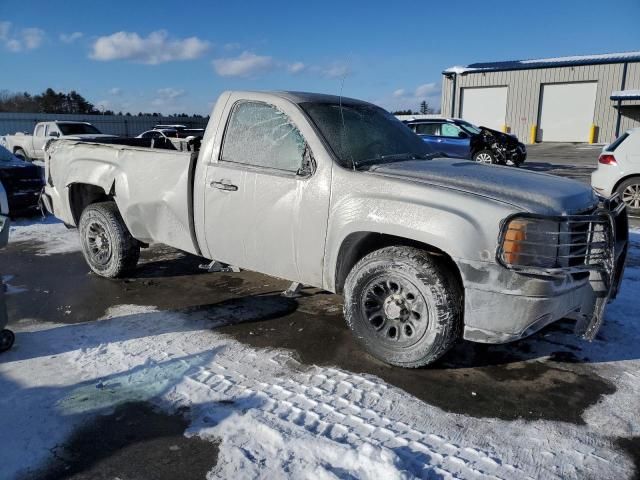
542	244
531	242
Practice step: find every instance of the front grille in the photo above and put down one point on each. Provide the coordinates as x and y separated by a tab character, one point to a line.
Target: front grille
560	244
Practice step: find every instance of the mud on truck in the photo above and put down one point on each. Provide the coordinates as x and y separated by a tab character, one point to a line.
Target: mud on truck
338	194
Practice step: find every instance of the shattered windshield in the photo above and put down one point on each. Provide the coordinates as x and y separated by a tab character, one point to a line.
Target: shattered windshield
78	129
362	134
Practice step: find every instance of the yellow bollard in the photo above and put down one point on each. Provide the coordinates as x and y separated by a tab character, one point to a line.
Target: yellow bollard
505	128
533	134
592	133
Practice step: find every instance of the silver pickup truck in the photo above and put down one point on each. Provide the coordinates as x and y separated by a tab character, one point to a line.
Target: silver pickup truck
337	193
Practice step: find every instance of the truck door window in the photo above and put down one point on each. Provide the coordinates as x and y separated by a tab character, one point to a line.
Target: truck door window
39	131
428	129
50	130
261	135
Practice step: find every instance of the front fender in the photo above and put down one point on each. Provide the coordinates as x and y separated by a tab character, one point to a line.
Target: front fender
464	230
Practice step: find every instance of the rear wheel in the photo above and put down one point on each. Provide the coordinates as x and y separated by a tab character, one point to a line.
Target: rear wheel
21	154
629	192
403	306
485	156
107	245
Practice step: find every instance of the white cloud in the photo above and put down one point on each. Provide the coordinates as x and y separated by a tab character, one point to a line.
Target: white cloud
16	40
103	105
70	37
244	65
115	91
5	28
166	97
403	99
335	71
232	46
170	93
296	67
427	90
156	48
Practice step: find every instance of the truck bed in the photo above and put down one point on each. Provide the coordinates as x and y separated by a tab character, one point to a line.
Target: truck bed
153	188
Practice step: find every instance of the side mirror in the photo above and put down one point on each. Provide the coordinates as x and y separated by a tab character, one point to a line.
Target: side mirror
463	135
54	134
308	163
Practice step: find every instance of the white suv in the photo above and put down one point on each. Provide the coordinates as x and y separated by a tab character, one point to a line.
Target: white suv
619	170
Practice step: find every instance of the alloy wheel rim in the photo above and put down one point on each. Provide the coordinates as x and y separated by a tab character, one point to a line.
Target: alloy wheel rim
483	158
98	243
395	311
631	196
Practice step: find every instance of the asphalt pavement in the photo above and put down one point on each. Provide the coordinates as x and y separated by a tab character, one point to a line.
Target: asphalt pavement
511	381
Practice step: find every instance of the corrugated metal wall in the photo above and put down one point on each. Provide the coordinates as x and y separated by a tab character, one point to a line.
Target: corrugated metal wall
523	98
111	124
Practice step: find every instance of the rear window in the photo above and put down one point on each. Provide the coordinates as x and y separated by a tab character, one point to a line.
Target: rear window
616	143
78	129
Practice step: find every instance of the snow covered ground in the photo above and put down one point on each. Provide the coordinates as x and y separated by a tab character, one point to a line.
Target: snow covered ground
278	418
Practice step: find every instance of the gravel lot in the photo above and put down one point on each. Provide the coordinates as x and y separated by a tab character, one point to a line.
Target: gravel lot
549	406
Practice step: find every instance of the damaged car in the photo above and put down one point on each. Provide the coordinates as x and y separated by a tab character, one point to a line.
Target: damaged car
460	139
338	194
22	182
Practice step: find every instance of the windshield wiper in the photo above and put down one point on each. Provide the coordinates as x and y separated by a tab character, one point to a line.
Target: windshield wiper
393	156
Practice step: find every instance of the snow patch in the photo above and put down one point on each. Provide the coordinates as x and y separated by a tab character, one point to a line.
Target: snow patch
49	235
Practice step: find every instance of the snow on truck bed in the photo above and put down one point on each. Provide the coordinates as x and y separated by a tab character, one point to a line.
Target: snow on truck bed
276	418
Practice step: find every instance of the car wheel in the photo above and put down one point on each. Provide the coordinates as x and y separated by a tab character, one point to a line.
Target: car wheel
21	154
403	306
107	245
485	156
7	338
629	191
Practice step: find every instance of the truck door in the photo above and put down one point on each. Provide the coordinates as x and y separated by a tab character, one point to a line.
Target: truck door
266	205
38	140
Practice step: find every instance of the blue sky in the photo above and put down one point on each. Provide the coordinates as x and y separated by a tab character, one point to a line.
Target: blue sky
178	56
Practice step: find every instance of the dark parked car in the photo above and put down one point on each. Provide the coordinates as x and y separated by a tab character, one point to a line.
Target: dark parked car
461	139
22	181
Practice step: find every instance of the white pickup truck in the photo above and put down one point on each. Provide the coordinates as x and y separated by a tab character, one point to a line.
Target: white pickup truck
337	193
31	147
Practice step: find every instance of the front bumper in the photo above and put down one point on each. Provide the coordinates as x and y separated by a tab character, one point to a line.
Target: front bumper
503	305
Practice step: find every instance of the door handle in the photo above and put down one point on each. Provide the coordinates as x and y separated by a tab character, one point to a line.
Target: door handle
223	185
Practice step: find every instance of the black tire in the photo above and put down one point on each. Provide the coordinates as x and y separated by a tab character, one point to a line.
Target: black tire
7	338
485	156
22	155
427	320
107	245
629	192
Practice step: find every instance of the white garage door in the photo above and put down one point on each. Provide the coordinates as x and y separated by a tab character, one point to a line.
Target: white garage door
567	111
485	106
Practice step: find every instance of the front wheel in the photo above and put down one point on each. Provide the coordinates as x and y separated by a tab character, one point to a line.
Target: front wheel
485	156
7	338
107	245
403	306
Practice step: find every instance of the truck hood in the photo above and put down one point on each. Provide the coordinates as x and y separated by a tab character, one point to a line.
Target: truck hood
530	191
88	136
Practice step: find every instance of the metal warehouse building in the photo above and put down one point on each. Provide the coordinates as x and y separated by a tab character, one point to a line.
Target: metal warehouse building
568	99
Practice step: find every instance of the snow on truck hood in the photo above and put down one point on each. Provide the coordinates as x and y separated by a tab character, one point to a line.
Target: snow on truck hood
532	191
88	135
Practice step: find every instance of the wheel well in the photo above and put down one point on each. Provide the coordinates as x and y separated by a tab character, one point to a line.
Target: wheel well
359	244
624	179
81	195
